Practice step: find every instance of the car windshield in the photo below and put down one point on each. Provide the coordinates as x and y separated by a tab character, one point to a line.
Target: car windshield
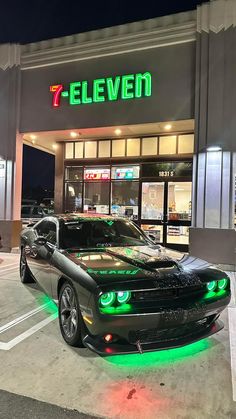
102	233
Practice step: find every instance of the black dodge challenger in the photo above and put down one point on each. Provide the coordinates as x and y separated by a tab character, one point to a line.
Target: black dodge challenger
118	291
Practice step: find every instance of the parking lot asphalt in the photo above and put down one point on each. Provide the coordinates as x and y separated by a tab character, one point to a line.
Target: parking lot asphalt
197	381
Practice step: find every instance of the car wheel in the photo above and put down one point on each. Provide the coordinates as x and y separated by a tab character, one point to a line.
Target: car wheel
70	318
25	275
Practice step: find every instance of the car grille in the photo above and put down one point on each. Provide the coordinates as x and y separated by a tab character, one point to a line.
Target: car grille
163	294
156	335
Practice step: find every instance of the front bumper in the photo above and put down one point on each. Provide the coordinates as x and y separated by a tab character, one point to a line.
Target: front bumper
174	327
100	347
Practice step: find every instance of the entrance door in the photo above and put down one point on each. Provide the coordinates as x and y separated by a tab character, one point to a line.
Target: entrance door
166	212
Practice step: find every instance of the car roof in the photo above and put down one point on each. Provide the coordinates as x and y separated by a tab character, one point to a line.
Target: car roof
84	216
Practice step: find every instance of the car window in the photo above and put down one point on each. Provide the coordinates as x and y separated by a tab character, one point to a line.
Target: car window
101	233
25	211
47	229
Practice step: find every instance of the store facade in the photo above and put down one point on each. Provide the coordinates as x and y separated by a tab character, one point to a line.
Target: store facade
140	119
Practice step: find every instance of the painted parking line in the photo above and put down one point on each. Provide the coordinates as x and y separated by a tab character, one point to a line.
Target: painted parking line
8	270
6	346
20	319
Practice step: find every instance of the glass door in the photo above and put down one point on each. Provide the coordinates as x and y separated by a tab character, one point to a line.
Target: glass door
179	207
166	212
152	209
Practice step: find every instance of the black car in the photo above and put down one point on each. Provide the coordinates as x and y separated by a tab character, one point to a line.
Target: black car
118	291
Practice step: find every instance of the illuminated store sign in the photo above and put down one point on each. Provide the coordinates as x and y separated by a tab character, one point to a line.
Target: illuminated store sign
130	86
124	173
97	174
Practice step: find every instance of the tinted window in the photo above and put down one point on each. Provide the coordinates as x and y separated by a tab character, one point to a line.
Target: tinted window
101	233
37	211
25	211
47	229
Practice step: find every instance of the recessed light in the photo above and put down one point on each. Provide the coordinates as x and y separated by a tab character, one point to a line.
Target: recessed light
214	148
168	126
54	146
118	131
33	137
33	141
73	134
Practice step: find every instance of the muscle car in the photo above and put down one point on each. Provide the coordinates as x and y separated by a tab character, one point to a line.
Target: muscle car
117	291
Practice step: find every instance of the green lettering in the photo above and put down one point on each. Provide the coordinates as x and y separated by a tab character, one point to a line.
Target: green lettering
113	88
74	93
98	90
127	84
85	97
143	82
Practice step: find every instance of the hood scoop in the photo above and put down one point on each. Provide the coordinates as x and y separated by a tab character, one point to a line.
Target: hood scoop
161	263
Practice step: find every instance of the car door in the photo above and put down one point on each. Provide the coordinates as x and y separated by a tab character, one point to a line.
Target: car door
40	255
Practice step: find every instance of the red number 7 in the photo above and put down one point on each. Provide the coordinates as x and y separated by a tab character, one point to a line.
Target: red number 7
56	89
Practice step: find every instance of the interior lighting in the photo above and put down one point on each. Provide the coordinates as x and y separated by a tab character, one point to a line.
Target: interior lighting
211	286
214	148
118	131
167	127
54	146
73	134
33	137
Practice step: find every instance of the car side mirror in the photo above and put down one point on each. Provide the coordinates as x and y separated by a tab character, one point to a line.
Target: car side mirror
41	241
153	238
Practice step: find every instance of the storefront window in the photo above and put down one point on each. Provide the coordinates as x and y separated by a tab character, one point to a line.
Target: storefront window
152	200
149	146
79	150
118	148
178	234
167	144
179	200
125	172
69	150
154	231
73	201
133	147
96	197
125	198
186	143
104	148
90	149
74	173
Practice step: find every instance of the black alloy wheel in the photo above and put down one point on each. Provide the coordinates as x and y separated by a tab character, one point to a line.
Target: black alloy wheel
25	275
70	319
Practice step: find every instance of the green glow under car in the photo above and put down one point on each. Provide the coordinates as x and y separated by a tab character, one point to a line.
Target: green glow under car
160	358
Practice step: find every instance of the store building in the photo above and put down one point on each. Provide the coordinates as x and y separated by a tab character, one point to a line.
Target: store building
141	120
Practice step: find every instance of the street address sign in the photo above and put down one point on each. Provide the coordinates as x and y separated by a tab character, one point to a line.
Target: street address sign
109	89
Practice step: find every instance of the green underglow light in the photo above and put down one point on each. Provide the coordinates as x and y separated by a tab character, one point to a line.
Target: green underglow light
150	360
222	284
107	299
123	296
211	286
124	308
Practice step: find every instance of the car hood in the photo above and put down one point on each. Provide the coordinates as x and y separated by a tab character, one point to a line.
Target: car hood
118	264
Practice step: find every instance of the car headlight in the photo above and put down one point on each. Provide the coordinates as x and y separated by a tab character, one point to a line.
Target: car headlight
107	299
123	296
220	285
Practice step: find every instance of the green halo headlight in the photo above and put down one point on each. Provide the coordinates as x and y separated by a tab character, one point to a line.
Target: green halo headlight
107	299
222	284
211	286
123	296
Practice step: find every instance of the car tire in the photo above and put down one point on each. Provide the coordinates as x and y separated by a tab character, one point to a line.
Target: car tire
25	275
70	319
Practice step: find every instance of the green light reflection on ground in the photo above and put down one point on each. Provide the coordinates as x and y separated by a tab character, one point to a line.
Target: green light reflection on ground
160	358
51	307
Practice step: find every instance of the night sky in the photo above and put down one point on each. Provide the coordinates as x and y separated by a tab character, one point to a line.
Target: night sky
30	21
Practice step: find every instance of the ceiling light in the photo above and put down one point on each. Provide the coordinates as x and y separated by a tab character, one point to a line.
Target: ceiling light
118	131
73	134
214	148
168	126
54	146
33	141
33	137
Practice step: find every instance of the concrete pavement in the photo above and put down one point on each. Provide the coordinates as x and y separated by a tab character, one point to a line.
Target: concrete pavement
197	381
